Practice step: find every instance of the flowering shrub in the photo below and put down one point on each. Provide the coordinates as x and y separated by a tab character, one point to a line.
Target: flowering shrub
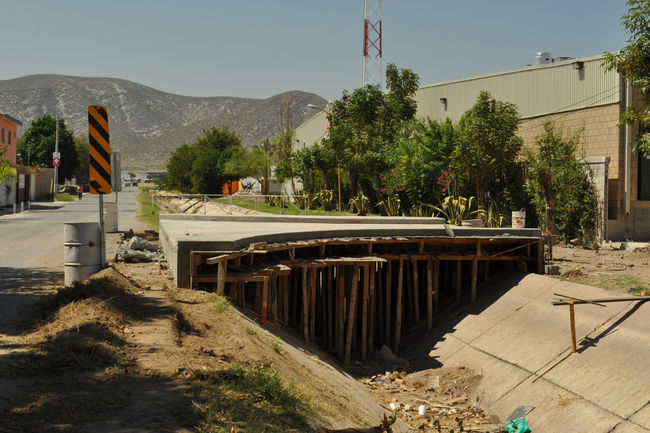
561	189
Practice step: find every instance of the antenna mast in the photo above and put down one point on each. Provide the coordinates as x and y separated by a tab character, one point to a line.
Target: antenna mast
372	49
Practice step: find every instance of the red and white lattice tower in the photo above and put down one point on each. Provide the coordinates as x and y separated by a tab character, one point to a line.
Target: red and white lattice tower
372	50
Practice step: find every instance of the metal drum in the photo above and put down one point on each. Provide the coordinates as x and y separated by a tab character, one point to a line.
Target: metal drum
81	251
110	217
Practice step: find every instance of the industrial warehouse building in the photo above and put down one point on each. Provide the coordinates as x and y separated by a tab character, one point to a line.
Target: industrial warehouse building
576	95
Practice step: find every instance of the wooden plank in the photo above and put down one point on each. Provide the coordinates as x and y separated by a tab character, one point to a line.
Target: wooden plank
305	304
572	318
265	299
340	310
416	290
380	304
409	291
221	277
364	311
294	297
436	285
430	294
371	320
352	313
389	295
398	307
458	280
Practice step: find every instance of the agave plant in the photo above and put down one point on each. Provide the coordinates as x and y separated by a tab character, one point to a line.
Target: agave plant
360	203
422	211
391	206
456	209
326	198
492	217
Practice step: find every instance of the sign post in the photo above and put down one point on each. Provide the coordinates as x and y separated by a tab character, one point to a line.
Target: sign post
100	164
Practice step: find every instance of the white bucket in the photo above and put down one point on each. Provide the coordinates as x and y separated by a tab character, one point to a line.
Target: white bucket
110	217
81	251
422	410
518	219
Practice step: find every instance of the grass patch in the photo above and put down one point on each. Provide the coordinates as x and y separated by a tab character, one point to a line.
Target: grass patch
248	399
220	303
276	344
616	282
148	213
64	196
262	206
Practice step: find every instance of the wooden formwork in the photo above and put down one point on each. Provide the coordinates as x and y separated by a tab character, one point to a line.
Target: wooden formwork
356	294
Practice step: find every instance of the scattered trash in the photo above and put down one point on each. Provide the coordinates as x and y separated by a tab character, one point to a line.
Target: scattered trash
518	425
520	412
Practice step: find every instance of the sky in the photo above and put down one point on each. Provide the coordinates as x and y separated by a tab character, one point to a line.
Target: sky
259	48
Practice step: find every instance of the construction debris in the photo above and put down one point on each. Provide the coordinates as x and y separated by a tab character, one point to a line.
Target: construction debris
138	250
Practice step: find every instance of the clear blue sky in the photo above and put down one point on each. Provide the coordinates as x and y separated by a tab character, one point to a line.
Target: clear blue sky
258	48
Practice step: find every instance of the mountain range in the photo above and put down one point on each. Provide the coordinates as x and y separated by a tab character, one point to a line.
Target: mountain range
146	124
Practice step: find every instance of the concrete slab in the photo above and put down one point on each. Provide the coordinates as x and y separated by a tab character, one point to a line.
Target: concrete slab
642	417
512	336
180	234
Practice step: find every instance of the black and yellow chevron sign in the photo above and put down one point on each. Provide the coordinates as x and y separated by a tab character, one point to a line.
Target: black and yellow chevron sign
100	150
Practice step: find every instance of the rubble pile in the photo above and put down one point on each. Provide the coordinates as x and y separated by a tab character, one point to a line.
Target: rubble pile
433	400
138	250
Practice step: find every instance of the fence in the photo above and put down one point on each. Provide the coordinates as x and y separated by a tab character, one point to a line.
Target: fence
230	204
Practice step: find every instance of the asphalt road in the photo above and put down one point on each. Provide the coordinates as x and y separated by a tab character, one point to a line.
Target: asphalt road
31	242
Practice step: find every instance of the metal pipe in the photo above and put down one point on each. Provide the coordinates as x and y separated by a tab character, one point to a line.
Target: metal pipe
592	301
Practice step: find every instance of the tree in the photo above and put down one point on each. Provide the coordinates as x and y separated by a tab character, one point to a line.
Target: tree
179	169
81	145
560	187
213	150
422	151
487	147
365	123
247	163
38	143
633	62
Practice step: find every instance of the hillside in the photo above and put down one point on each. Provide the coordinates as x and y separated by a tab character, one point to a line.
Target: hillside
146	124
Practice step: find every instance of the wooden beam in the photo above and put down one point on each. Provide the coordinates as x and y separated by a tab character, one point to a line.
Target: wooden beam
285	299
572	319
352	313
330	301
265	299
474	280
371	324
312	302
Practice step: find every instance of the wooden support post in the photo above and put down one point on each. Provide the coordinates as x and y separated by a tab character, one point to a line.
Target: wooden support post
274	296
364	311
352	313
409	304
436	285
305	303
572	318
330	294
285	299
312	302
265	299
398	307
221	276
294	296
429	294
371	324
389	295
474	279
458	269
416	289
340	310
242	292
380	304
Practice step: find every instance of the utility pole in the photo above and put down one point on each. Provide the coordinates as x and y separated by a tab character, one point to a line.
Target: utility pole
56	150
